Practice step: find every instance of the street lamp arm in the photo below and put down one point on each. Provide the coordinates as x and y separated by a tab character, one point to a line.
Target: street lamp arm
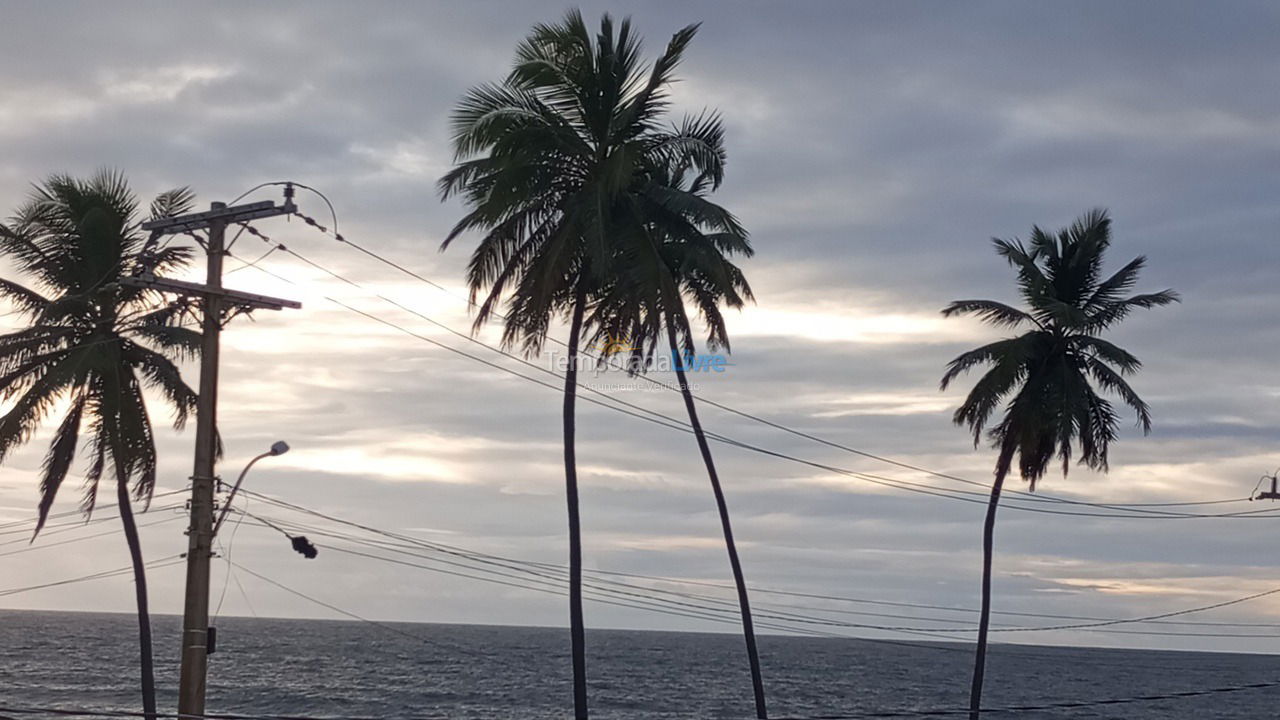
234	489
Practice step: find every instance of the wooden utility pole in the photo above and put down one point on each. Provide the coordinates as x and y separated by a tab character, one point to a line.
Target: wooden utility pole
214	301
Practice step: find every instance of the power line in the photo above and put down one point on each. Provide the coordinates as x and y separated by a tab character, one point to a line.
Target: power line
634	601
676	424
649	603
770	613
377	623
660	419
42	546
1037	497
57	528
1065	705
128	569
880	714
925	606
522	566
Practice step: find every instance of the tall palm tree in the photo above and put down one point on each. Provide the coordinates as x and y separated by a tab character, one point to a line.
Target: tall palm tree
686	256
547	162
94	345
1049	377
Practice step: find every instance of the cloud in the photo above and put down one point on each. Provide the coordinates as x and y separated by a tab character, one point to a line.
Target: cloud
874	150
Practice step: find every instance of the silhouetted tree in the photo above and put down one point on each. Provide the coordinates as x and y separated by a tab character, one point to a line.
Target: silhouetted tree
94	344
548	162
1048	377
684	255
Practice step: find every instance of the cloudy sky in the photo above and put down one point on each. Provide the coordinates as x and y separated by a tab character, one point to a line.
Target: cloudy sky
874	150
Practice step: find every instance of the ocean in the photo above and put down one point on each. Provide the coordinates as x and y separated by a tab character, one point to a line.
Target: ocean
401	670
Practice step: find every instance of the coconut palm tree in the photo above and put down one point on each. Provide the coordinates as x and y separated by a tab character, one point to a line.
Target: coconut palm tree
686	257
1049	377
546	162
92	346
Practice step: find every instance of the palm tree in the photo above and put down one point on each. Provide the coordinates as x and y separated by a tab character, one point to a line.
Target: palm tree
94	345
547	162
1048	378
686	254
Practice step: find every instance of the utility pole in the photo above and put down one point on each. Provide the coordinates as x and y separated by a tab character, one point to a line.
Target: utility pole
214	301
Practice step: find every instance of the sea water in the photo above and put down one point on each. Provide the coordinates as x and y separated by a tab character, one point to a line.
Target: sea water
404	670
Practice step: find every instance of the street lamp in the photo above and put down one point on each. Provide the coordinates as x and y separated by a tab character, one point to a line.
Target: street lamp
280	447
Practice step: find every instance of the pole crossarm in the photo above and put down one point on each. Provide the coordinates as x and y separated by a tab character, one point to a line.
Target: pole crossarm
240	298
227	215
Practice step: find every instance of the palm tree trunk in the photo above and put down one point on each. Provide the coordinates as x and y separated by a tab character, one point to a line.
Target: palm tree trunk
577	628
988	542
744	605
140	588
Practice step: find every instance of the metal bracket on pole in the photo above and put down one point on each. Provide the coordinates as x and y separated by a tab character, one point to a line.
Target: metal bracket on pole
233	214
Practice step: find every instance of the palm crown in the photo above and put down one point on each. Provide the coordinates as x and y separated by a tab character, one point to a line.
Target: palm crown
557	166
1051	375
91	341
684	258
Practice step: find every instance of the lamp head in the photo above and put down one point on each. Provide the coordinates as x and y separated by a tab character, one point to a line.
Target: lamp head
279	447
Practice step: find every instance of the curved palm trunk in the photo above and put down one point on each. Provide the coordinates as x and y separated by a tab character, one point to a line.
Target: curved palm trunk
577	628
988	543
140	588
744	605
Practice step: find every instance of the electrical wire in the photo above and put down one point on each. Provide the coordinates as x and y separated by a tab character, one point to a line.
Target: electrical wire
714	614
354	616
226	580
42	546
1063	705
607	361
252	263
511	564
58	528
765	611
612	597
643	413
128	569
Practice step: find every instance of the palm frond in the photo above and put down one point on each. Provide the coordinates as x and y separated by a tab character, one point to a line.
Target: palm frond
1114	382
163	375
57	461
172	203
1114	287
1113	312
989	311
988	392
1107	351
26	301
34	404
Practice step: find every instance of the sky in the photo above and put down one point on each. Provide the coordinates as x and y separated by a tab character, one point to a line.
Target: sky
874	150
